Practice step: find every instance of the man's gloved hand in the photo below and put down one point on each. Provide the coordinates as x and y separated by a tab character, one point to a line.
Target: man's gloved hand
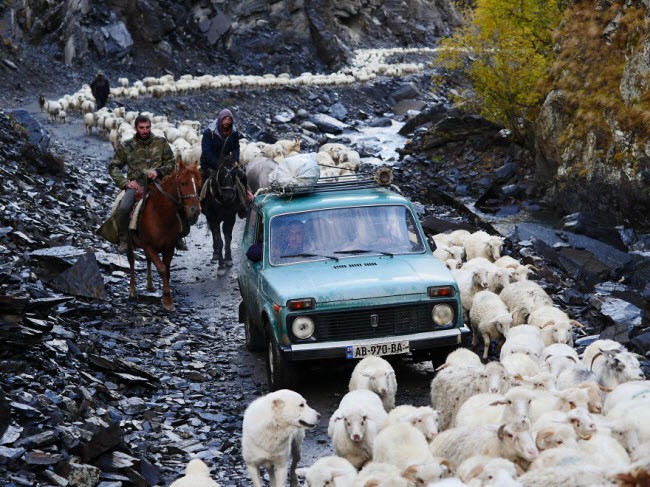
139	190
152	174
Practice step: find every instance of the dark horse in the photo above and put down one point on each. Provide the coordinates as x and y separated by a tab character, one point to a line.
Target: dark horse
175	197
222	202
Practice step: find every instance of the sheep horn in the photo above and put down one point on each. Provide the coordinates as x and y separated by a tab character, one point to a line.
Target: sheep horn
443	366
542	435
604	389
571	358
591	365
577	324
500	434
532	267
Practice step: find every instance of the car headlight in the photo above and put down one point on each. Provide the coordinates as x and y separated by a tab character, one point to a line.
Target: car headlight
442	314
303	327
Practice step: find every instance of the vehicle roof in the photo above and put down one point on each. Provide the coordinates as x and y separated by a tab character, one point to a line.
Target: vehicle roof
276	204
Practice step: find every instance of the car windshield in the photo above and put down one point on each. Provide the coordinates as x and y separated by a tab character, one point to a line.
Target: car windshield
343	232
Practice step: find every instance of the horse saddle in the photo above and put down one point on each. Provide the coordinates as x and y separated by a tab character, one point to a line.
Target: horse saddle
110	228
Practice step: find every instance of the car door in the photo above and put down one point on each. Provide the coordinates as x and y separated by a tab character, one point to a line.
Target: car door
249	285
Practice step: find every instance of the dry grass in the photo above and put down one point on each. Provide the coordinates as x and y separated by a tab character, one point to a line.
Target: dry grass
590	79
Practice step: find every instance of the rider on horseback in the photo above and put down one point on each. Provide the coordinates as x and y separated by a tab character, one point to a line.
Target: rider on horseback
220	140
146	157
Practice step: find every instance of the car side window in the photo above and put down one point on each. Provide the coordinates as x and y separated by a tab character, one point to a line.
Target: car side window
251	228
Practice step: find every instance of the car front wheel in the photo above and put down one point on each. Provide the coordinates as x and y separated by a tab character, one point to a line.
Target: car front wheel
281	373
254	338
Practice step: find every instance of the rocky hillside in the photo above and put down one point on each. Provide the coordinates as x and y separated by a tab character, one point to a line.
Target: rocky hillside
592	132
252	36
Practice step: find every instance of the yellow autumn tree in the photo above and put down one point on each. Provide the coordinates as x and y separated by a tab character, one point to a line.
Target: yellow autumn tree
504	50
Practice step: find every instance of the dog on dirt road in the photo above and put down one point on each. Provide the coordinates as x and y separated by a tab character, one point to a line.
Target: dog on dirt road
274	426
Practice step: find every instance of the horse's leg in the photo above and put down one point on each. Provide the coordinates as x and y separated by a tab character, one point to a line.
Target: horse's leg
152	255
221	270
228	225
214	230
133	290
168	301
150	287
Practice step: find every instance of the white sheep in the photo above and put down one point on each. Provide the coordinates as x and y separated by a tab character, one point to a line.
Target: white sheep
424	418
604	450
458	237
580	419
354	425
329	471
469	283
482	470
578	473
197	474
520	364
451	387
401	444
377	375
461	356
445	252
498	277
612	363
522	298
555	324
555	436
486	408
428	474
625	393
523	339
490	318
482	244
511	441
376	474
563	400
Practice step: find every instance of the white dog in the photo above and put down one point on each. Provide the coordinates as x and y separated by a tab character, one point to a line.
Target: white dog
197	474
274	425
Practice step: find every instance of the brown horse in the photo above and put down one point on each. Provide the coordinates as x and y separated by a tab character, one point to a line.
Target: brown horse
161	226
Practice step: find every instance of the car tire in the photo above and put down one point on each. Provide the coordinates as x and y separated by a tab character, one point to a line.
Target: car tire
281	373
253	336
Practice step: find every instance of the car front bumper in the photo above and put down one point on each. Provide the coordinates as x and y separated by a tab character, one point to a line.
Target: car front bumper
418	342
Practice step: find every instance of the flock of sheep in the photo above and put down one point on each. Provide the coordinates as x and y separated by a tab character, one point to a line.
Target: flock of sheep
540	416
185	137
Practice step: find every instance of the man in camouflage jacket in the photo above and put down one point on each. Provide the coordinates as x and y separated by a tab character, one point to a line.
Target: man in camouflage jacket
145	156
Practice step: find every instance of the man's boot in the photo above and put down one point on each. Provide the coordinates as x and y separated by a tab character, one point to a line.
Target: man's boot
123	246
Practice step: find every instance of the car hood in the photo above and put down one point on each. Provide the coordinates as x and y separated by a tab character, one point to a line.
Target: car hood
350	279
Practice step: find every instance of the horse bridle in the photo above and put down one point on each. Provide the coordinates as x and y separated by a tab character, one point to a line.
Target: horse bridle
181	197
220	188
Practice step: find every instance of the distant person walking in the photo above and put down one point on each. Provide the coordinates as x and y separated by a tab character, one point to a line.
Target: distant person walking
100	89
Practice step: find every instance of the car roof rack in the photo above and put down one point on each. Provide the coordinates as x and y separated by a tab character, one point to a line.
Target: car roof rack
339	183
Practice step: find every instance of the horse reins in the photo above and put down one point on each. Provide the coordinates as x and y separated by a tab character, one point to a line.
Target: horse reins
181	197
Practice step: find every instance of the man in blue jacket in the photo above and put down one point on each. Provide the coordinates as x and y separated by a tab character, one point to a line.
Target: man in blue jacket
220	140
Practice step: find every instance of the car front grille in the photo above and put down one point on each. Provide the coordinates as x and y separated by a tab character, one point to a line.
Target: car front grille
390	320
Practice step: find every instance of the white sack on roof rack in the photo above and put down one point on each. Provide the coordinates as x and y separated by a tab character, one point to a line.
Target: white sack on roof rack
300	171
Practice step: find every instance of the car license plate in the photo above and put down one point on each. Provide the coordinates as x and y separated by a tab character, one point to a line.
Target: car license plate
384	348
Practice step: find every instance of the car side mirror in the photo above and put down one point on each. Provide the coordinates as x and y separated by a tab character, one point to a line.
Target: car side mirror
254	252
432	244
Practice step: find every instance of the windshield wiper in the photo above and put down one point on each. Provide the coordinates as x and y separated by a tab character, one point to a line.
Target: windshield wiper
309	255
363	251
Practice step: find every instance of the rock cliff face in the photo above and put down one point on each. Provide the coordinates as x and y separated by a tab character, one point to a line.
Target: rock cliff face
254	35
592	131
